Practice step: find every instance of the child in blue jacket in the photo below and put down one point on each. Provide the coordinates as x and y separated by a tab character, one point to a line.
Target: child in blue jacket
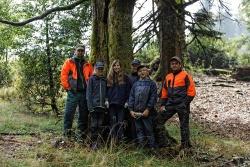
142	99
96	94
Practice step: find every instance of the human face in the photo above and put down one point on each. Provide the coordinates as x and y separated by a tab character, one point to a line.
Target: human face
143	72
117	67
79	52
175	66
134	68
99	71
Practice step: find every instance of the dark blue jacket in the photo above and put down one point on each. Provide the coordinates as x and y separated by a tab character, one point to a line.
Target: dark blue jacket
133	78
143	95
96	92
119	94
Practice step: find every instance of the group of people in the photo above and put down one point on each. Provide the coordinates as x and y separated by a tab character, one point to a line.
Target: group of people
124	103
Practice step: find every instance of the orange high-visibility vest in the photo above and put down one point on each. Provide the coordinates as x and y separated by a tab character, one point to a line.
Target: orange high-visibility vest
177	87
69	68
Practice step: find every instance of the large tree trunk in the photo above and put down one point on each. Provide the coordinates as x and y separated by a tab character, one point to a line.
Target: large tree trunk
99	39
172	33
112	31
180	27
120	31
168	35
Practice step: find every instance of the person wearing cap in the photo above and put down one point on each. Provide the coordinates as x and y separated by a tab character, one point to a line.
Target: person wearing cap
133	77
74	76
177	93
130	132
142	100
96	95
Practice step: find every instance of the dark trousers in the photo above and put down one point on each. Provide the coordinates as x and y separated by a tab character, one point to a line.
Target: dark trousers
96	123
183	112
130	131
116	120
144	131
75	99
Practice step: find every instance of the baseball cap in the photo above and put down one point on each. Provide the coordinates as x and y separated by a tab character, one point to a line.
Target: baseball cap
99	64
176	58
80	47
136	62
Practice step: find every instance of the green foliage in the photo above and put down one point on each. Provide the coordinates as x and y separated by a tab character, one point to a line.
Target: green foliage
238	49
210	55
34	79
5	74
34	58
149	53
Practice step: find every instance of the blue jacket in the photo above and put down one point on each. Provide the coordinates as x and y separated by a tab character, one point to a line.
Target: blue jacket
133	78
143	95
119	94
96	92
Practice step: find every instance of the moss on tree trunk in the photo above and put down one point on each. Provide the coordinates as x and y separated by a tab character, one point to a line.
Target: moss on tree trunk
120	31
99	37
112	31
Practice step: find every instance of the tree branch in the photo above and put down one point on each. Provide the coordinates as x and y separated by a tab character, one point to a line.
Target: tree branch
46	13
189	3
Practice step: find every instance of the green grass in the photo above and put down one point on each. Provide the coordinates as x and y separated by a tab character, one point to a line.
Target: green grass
37	150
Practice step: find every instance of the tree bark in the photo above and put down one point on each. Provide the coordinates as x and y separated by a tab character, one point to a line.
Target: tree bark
50	73
99	38
120	31
112	31
168	35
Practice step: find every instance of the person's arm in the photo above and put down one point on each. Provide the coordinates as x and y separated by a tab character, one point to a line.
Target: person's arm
131	101
164	95
65	75
89	93
128	89
191	92
152	96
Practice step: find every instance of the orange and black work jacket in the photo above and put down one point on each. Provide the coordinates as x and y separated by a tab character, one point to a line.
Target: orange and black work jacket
69	74
177	89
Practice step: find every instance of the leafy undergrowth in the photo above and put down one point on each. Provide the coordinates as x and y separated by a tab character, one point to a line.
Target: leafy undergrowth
29	140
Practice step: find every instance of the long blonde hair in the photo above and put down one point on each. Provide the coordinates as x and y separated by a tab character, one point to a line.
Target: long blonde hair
112	77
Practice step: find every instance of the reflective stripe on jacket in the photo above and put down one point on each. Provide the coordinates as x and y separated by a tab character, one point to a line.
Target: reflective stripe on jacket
178	87
69	73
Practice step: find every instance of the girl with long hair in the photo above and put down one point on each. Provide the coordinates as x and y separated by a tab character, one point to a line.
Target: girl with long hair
118	88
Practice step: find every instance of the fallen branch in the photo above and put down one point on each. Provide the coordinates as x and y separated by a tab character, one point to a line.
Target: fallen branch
223	85
18	134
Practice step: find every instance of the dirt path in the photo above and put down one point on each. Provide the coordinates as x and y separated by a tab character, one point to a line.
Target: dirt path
223	106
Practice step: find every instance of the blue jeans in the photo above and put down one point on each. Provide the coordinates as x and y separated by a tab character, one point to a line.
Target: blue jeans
75	99
144	131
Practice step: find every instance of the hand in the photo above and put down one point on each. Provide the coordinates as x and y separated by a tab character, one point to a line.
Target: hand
145	113
107	104
132	113
126	105
163	108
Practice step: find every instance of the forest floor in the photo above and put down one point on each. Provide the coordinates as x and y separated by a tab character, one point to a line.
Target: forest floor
222	106
219	133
